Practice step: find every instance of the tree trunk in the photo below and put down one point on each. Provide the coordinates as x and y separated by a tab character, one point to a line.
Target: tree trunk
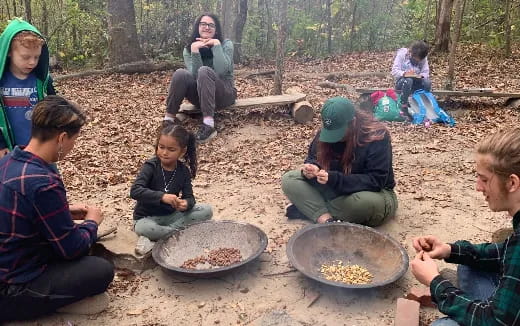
459	11
238	27
507	29
14	8
427	20
227	14
45	21
28	11
270	29
329	26
123	45
442	30
352	27
7	9
280	47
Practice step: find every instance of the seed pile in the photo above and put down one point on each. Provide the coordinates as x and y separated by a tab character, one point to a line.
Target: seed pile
224	256
217	258
192	263
349	274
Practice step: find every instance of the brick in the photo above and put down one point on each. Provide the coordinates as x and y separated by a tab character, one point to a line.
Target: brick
421	295
407	313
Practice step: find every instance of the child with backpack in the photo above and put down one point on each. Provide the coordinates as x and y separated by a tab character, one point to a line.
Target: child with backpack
163	189
411	71
24	81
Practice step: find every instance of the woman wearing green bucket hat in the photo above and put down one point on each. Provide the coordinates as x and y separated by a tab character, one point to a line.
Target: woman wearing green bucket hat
348	172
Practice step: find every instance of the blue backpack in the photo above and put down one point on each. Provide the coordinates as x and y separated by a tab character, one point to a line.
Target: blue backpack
424	108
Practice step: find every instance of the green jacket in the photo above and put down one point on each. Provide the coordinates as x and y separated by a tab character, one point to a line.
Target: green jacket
43	80
222	61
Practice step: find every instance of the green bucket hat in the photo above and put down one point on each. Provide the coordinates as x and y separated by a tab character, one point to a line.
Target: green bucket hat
336	114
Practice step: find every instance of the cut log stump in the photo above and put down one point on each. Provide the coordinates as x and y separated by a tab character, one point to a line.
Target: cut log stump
300	109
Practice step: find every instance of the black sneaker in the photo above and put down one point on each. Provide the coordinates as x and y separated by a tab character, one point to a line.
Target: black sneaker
205	133
293	213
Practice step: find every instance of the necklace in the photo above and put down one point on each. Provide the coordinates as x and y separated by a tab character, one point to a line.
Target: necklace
166	185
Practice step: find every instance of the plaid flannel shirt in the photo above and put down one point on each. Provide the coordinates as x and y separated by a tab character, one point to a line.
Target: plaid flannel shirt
35	222
503	308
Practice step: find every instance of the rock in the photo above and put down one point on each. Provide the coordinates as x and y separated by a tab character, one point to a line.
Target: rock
422	295
407	313
120	250
244	290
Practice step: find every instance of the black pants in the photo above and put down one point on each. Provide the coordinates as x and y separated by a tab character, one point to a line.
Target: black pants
61	284
409	85
207	92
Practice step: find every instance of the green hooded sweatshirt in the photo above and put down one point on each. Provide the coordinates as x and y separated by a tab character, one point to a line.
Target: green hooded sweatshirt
43	80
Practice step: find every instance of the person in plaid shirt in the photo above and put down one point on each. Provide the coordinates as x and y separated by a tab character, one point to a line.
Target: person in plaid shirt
43	253
488	273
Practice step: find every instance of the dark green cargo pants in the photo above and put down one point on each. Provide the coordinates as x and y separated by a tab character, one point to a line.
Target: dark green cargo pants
313	200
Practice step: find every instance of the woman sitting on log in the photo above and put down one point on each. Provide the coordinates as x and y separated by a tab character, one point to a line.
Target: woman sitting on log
207	82
348	172
43	253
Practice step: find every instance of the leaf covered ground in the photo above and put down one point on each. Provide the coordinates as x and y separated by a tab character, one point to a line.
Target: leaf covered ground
239	174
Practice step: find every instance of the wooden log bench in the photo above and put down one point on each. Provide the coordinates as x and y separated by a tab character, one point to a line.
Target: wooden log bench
513	99
301	110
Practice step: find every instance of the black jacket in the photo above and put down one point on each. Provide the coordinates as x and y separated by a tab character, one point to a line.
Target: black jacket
148	189
371	168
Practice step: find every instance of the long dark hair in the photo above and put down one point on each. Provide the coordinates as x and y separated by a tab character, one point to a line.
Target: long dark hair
363	129
195	32
185	139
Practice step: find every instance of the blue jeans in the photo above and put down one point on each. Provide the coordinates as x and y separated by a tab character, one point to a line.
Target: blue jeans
476	284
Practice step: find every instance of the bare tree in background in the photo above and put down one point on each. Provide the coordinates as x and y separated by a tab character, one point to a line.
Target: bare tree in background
442	29
427	20
280	47
459	11
329	26
507	29
226	18
123	46
28	12
238	29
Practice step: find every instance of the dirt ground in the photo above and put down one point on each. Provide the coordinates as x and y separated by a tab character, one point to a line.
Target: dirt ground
240	174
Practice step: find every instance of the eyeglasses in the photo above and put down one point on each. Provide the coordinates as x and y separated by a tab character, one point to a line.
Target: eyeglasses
207	25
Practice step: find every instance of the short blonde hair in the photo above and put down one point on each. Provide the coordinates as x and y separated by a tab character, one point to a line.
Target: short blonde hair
28	40
504	148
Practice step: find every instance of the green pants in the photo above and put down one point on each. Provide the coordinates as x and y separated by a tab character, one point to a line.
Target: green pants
157	227
314	199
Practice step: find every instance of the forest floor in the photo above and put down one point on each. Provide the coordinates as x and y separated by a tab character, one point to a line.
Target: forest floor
239	174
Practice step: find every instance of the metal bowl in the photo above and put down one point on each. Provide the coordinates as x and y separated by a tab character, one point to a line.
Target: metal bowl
319	244
199	238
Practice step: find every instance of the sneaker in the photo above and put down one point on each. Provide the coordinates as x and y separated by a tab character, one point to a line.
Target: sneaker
293	213
88	306
144	245
205	133
405	114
